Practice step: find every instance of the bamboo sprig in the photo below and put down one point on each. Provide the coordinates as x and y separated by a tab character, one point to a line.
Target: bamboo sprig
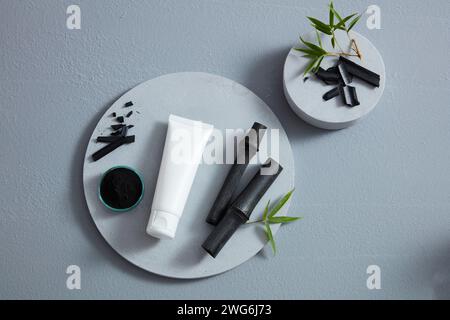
269	218
316	52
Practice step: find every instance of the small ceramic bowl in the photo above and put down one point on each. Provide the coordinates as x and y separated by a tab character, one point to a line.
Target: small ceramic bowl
121	171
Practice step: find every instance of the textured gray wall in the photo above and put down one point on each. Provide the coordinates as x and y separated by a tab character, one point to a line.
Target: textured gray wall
377	193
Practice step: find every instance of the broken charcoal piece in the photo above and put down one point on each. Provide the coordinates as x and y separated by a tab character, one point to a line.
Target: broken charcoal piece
128	104
353	96
129	114
124	131
331	94
332	69
120	119
342	95
114	114
348	95
117	126
336	70
343	74
107	139
130	126
329	77
117	132
305	79
360	72
111	147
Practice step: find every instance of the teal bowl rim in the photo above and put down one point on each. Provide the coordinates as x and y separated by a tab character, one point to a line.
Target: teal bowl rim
124	209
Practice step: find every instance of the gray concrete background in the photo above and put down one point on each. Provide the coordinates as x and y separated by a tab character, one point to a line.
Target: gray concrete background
377	193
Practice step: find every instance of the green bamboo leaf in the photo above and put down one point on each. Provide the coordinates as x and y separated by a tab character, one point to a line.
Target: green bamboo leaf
313	47
319	41
336	13
309	51
316	67
283	200
331	20
270	237
310	66
353	23
325	29
318	22
276	220
266	211
341	23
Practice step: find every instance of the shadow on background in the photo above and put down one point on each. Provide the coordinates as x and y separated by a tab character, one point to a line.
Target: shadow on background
441	275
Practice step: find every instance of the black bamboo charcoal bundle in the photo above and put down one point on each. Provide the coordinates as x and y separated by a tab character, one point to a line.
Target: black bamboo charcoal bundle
241	209
250	146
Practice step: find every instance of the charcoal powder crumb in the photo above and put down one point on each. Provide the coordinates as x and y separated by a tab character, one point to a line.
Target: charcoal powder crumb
128	104
120	119
129	114
117	126
114	115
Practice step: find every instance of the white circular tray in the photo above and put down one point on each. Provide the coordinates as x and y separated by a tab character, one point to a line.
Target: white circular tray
198	96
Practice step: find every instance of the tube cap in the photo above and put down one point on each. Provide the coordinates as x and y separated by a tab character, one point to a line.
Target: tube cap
162	225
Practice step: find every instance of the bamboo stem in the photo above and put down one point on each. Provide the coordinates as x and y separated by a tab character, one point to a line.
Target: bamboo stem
338	54
255	221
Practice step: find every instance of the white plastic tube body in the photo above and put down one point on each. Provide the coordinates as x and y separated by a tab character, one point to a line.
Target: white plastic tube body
185	142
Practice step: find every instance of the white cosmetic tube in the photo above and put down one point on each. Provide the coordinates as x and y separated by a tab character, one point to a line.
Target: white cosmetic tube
185	141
